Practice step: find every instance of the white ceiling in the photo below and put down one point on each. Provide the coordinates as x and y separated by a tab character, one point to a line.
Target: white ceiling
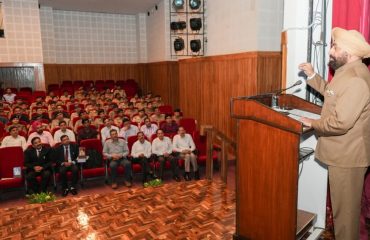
106	6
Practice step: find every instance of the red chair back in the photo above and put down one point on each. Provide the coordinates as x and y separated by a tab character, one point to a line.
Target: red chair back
166	109
10	157
189	124
92	144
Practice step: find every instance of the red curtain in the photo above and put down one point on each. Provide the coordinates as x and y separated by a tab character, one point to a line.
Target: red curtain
352	14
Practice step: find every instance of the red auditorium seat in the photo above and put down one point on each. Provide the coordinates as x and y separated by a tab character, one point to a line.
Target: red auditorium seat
25	89
189	124
10	157
166	109
53	87
96	171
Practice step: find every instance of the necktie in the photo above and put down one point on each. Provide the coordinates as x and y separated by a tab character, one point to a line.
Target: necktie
66	154
38	152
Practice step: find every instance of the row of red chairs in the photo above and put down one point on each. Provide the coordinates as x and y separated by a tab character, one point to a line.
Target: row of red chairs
12	157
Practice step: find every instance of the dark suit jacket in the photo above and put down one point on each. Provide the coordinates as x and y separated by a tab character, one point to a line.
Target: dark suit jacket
44	160
59	153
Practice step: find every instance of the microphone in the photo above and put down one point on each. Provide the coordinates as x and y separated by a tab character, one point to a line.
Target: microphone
278	92
274	93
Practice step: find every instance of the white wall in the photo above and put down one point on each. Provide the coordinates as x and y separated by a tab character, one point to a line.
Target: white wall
313	179
141	37
158	33
82	37
22	42
236	27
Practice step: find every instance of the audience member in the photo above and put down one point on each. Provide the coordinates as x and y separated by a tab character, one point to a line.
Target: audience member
66	157
14	140
38	161
45	136
116	150
184	147
148	128
128	129
64	131
9	96
141	152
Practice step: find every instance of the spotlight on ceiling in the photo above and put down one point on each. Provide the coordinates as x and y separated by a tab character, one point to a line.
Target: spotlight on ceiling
195	45
178	44
178	4
180	25
195	24
194	4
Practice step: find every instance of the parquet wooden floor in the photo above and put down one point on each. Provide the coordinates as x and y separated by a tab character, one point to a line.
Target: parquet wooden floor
185	210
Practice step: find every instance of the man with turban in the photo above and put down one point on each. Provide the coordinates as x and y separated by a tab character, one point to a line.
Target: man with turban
344	127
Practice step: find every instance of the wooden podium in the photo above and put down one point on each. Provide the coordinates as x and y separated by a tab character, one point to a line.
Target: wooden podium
267	166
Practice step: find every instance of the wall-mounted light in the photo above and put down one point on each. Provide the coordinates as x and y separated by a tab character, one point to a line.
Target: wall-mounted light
180	25
194	4
178	4
179	44
195	24
195	45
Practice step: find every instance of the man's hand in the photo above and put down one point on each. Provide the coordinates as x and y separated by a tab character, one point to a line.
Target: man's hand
307	69
166	154
67	164
141	155
306	121
37	168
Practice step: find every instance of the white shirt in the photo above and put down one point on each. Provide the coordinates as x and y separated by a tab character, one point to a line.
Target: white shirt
9	97
105	132
149	131
159	147
141	148
68	132
10	141
183	143
45	137
132	131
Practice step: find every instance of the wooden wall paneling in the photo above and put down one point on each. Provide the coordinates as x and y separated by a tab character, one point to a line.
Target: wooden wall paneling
269	71
207	84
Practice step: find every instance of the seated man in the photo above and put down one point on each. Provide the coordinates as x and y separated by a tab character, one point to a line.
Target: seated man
45	136
141	152
162	149
105	131
64	131
170	126
116	150
148	128
66	156
184	147
9	96
128	129
87	132
38	161
59	117
14	140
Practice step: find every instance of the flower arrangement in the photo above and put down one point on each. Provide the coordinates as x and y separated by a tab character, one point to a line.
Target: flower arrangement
153	183
41	197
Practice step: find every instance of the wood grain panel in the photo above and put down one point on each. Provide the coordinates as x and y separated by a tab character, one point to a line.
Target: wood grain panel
163	78
207	84
57	73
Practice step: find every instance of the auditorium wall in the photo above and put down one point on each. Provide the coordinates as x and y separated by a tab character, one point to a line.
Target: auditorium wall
86	37
22	42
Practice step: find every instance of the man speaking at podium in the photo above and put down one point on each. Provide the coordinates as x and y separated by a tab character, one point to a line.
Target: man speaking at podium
344	127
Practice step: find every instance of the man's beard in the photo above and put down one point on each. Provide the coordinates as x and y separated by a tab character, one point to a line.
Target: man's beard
338	62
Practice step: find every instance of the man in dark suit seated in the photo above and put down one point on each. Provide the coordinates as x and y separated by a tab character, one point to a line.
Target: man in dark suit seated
66	156
38	161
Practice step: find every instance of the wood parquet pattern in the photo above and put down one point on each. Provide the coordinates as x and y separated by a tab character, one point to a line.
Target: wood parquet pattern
185	210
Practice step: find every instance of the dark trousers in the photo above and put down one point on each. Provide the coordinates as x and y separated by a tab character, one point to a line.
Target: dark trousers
63	175
114	165
143	161
174	166
33	183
